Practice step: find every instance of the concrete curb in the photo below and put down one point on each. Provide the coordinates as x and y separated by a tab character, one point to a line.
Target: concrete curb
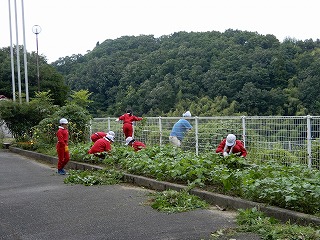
213	198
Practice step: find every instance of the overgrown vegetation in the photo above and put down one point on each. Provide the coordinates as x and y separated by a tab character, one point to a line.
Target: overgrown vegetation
268	228
97	177
293	187
34	124
172	201
20	118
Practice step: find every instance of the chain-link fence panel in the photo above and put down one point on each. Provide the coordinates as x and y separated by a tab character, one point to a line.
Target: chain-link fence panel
286	139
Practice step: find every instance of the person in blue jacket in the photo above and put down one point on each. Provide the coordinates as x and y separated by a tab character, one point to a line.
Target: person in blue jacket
179	130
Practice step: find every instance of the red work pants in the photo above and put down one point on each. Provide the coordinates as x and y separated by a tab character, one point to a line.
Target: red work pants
63	155
127	129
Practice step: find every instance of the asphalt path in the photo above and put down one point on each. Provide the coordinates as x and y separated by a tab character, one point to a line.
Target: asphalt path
36	204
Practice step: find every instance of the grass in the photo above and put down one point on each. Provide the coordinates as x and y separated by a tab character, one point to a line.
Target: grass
97	177
172	201
268	228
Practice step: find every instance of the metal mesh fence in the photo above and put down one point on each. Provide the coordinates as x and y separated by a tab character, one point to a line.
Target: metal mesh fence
282	138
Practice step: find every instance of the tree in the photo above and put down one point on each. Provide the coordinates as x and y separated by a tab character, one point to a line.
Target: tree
81	98
50	78
250	70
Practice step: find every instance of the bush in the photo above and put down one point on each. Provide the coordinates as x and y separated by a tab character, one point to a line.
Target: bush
78	126
20	118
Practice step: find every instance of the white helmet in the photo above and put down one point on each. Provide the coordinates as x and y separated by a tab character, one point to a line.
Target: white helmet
110	137
231	139
63	121
186	114
111	133
128	140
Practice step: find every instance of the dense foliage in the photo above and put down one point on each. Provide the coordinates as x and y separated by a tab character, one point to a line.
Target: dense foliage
209	73
78	126
36	122
21	118
268	228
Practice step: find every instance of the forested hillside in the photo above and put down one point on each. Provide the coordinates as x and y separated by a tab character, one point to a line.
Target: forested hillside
209	73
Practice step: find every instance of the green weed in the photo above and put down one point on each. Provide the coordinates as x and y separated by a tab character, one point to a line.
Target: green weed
98	177
252	220
171	201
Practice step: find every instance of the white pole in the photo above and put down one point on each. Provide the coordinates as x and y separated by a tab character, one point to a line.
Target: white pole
11	52
160	130
197	135
17	49
309	138
244	130
25	55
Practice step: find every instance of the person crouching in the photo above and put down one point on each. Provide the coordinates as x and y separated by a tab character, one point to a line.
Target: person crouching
97	135
130	141
230	145
101	146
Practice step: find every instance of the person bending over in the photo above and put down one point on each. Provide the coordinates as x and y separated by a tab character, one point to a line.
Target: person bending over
179	129
135	144
101	146
230	145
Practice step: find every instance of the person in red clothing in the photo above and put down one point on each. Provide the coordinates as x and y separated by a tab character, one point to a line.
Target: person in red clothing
97	135
101	146
62	146
231	145
135	144
128	119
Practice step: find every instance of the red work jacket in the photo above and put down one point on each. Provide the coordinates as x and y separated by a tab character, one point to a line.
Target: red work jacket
101	145
63	137
126	118
237	148
97	135
138	145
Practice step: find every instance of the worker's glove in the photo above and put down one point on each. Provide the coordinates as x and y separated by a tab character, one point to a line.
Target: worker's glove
225	154
117	120
66	148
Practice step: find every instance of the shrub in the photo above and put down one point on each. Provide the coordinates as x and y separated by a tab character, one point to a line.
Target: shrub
78	126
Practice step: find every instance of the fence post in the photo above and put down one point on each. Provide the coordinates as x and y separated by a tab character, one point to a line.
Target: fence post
108	123
244	130
197	137
309	138
90	129
160	130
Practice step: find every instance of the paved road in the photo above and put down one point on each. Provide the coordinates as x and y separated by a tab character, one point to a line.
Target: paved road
36	204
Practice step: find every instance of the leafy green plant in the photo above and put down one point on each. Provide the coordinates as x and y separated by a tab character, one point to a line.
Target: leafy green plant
252	220
293	187
98	177
172	201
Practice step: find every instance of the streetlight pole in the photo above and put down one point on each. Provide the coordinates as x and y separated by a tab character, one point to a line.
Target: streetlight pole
36	29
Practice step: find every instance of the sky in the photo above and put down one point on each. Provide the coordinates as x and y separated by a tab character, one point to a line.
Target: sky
75	26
